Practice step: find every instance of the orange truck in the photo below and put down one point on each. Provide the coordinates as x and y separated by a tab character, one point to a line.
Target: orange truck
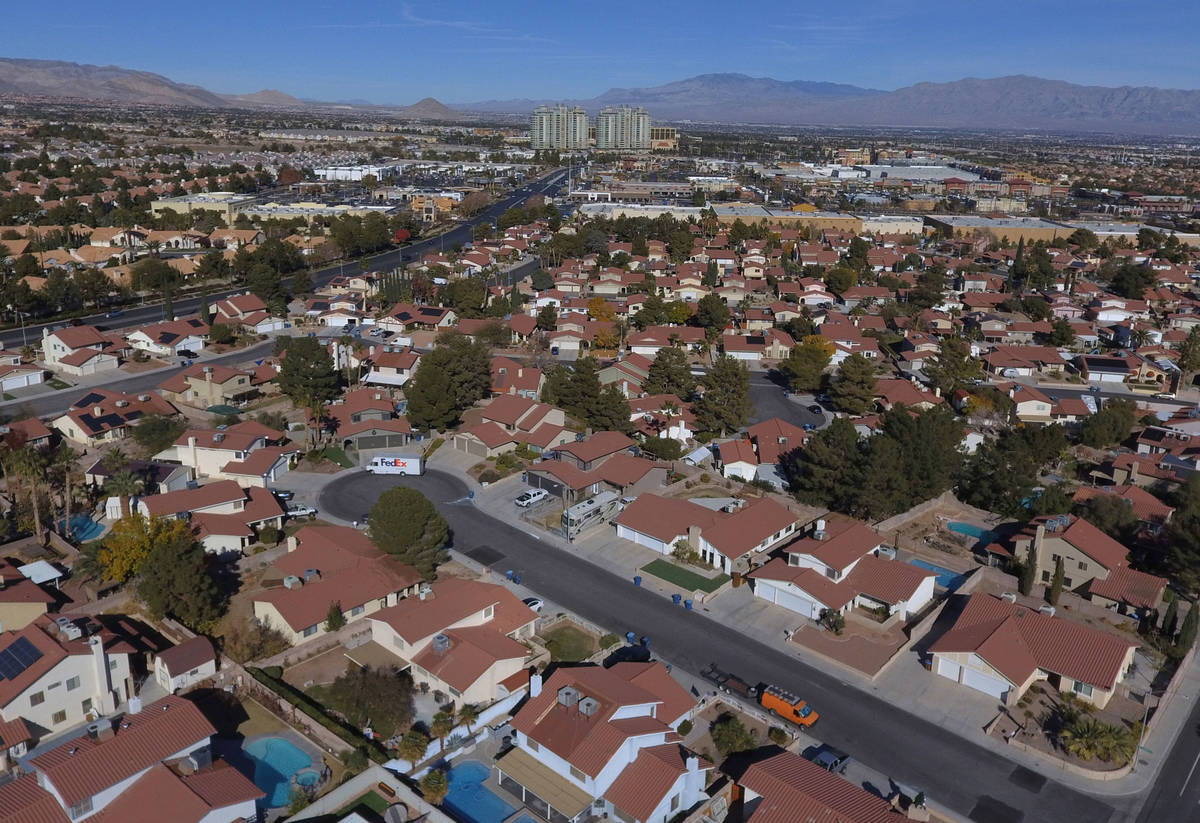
784	704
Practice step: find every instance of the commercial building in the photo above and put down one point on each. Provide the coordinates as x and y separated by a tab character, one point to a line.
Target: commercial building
225	203
664	138
623	127
559	128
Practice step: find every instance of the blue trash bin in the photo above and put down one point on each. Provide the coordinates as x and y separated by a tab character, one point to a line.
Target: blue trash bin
524	477
687	604
637	580
631	637
517	578
645	640
675	598
509	574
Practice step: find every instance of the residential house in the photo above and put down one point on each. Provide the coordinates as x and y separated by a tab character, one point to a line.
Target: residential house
15	374
22	601
663	416
133	770
366	419
462	637
169	338
622	473
999	647
1094	565
208	451
202	385
598	740
157	476
77	350
101	416
778	786
185	665
509	420
406	317
837	566
224	517
511	377
736	534
235	238
63	672
324	566
1151	513
392	367
247	311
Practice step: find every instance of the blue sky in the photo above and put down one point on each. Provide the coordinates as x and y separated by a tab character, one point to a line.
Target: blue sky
398	52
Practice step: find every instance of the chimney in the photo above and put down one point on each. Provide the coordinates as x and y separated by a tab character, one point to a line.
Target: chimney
535	685
106	704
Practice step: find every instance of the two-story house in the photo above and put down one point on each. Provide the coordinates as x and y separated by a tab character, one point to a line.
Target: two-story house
461	637
602	741
77	350
207	452
509	420
203	385
224	517
101	416
392	368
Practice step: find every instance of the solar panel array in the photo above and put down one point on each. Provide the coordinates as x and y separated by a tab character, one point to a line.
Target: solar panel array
19	656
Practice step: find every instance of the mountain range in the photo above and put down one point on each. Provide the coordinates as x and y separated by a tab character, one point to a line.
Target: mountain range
1017	102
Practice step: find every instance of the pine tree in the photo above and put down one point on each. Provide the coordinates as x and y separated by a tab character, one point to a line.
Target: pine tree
1187	634
854	389
1056	583
670	374
1170	621
1028	572
826	471
205	312
725	405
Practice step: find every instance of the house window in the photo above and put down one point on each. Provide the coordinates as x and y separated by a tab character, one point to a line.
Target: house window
310	631
37	698
532	744
454	692
59	716
112	664
1045	577
1067	583
1082	566
357	610
81	808
86	706
674	802
488	612
578	774
1082	689
1054	558
73	683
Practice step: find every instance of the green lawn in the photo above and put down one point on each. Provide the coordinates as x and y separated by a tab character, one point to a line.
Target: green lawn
372	800
568	644
683	578
55	383
337	455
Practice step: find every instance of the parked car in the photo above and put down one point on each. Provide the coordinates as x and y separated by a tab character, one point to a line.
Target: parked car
301	510
375	332
530	497
188	353
114	313
784	704
829	758
535	604
815	409
283	494
1165	395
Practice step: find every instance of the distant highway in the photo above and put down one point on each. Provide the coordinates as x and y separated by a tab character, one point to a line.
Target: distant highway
548	186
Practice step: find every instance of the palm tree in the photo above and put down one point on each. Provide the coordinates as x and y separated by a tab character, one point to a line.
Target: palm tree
115	460
441	725
31	465
435	786
62	465
1084	738
468	713
412	746
124	485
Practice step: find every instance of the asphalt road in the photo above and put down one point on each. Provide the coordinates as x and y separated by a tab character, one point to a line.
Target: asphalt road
1176	793
548	185
955	773
769	401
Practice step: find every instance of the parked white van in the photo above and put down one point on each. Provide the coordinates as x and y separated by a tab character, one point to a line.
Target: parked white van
396	464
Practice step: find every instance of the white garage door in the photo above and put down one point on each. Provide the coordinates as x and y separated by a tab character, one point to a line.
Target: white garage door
800	605
985	683
949	669
641	539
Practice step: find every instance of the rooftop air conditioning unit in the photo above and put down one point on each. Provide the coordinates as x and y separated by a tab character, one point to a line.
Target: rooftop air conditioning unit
219	437
568	696
143	397
122	404
441	643
310	574
1011	597
1047	610
292	582
588	706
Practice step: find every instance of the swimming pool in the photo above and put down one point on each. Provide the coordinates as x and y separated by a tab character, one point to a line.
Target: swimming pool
83	528
275	761
982	535
469	799
946	578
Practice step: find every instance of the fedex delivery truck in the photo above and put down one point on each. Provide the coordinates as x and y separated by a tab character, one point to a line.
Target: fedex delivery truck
396	464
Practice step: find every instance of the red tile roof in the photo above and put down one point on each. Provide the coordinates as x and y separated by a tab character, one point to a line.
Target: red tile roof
24	801
81	768
845	541
1015	641
793	789
188	655
643	784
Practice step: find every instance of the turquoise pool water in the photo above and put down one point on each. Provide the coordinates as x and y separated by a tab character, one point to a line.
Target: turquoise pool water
82	527
469	799
982	535
308	778
275	761
946	578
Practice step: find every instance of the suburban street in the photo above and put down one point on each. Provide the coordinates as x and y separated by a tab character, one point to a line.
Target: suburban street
547	186
966	778
1176	793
